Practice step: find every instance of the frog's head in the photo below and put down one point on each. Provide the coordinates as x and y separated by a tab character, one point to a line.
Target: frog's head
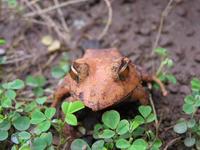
102	82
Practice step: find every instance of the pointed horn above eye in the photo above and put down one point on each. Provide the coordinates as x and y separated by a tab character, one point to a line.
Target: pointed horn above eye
73	69
124	64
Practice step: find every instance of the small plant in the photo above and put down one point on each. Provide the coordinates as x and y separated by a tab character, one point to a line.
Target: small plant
165	64
36	83
190	127
62	68
123	134
28	124
69	108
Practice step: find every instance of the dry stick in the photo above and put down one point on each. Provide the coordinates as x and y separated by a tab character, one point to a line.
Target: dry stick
40	12
163	16
110	14
171	143
62	17
53	24
154	111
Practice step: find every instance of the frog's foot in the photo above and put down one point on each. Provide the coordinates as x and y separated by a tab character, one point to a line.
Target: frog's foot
140	94
59	94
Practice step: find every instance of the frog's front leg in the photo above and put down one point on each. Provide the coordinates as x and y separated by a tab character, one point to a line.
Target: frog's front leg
146	77
60	92
140	94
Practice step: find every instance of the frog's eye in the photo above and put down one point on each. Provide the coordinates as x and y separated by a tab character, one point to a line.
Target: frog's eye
123	69
79	71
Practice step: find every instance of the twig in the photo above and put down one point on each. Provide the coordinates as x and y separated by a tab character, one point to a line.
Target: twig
110	14
163	16
171	143
13	61
39	22
154	111
62	17
40	12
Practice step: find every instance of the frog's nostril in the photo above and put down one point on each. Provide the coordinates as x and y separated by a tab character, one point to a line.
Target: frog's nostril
81	96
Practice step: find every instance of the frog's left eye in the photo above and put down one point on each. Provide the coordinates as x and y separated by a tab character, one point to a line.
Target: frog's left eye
123	69
79	71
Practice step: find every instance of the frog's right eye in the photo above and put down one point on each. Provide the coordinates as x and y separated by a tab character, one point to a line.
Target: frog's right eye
79	71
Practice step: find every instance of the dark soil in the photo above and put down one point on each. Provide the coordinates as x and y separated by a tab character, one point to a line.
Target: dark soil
133	31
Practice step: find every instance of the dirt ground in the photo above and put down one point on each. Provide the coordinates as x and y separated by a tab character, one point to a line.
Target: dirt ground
133	31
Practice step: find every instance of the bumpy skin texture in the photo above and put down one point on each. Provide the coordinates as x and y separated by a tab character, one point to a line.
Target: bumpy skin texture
99	84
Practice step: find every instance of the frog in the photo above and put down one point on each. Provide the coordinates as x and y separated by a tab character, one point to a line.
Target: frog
102	78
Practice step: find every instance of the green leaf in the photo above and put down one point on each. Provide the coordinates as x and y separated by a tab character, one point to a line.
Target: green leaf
36	81
195	84
139	119
38	91
71	107
111	123
122	144
71	119
25	147
157	144
41	100
123	127
3	135
150	118
160	51
133	125
57	72
30	107
189	108
180	127
24	135
171	78
191	123
97	130
5	125
15	138
106	134
98	145
37	117
145	111
43	126
139	144
14	85
21	123
64	107
47	138
6	102
38	144
189	141
75	106
2	42
11	94
79	144
189	99
50	112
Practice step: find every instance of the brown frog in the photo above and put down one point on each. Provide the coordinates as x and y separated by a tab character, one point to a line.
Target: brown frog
102	78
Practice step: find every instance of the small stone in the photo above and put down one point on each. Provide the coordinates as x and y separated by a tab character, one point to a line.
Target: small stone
197	58
2	51
185	90
145	31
